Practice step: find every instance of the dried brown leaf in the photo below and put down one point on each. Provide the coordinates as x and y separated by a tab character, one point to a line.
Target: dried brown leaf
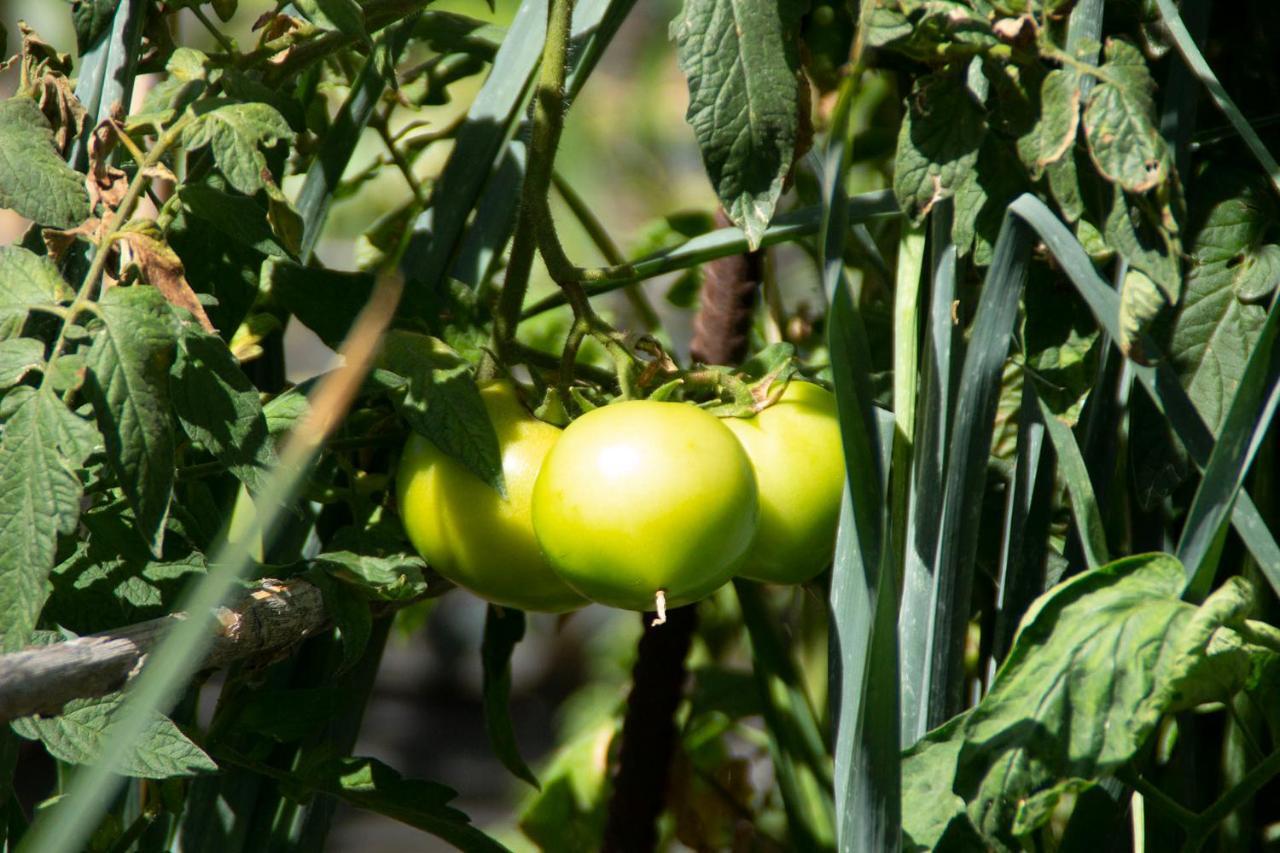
161	267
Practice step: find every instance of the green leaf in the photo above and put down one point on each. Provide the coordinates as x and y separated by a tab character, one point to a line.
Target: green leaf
219	408
34	181
441	401
568	814
938	144
1216	329
928	771
1258	274
41	446
128	383
1133	229
240	218
400	577
284	410
1095	664
351	616
369	784
26	279
981	197
80	735
934	32
92	18
346	16
234	132
1059	117
742	61
1084	504
1120	122
112	580
1141	302
18	356
503	629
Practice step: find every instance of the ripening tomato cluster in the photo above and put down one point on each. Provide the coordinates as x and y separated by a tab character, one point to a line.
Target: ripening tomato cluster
632	502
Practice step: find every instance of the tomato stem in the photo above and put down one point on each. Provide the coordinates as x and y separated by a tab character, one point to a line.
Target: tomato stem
548	123
660	605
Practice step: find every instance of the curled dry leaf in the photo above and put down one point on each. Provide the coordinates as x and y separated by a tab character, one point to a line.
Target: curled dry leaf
161	267
58	241
62	108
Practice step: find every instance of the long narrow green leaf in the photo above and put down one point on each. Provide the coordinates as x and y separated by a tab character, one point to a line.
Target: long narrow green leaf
339	142
1181	93
1107	400
801	764
1160	381
107	71
863	656
503	629
1186	46
966	474
1084	506
933	426
725	242
1021	576
492	120
1247	422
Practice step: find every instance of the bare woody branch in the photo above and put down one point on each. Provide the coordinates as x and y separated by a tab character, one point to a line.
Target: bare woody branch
269	620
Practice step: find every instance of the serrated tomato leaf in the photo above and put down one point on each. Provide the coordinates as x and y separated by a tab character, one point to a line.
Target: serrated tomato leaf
42	443
26	279
938	143
81	735
440	400
369	784
744	53
234	133
219	408
128	384
34	181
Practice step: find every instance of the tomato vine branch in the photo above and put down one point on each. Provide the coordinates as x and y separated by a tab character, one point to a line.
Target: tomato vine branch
548	122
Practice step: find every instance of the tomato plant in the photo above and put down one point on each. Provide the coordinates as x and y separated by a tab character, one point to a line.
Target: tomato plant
364	365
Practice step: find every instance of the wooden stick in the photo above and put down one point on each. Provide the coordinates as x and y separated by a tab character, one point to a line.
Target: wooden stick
268	620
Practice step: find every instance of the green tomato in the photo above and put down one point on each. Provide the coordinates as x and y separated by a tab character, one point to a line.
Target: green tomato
795	448
466	531
640	498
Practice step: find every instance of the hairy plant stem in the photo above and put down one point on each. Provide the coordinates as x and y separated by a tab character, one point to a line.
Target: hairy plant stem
380	123
604	243
548	122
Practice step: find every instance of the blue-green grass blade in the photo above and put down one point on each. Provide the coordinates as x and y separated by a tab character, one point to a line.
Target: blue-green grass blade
1247	422
492	121
1084	506
801	764
107	71
1021	577
340	141
863	596
933	425
966	475
724	242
